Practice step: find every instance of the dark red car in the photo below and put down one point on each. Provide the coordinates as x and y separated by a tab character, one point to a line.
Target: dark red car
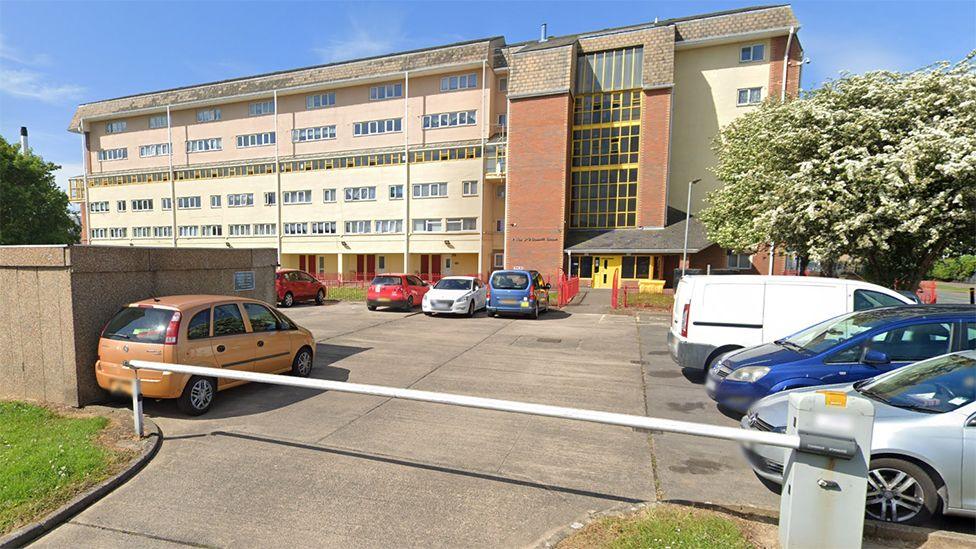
395	290
293	285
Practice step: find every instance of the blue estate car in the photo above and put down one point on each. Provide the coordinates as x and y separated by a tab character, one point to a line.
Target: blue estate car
517	292
843	349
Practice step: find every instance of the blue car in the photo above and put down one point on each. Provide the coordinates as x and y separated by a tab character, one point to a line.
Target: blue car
843	349
517	292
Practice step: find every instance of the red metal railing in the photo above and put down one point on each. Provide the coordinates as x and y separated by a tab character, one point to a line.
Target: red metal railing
568	288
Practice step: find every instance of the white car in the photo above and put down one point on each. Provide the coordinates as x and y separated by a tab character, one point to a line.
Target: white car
456	294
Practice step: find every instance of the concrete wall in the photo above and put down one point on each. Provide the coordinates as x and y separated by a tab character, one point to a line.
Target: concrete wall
54	301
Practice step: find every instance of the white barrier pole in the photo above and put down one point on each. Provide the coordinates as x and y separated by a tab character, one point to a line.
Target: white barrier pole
137	402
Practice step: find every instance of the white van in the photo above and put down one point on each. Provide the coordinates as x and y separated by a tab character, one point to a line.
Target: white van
714	314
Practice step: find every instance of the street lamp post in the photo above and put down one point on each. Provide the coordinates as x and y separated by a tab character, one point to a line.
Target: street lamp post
684	253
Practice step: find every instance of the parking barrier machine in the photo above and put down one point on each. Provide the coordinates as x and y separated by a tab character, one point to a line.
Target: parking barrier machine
825	475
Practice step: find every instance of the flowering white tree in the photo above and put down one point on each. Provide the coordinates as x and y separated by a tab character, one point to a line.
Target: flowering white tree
879	169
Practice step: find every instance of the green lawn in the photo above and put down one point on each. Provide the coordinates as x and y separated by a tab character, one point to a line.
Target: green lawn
657	301
45	459
347	293
661	526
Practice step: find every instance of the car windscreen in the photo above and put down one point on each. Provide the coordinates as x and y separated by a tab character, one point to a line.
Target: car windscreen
937	385
453	284
387	281
139	324
832	332
509	281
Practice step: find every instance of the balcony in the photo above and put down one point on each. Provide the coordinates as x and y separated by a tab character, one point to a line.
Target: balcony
76	189
496	161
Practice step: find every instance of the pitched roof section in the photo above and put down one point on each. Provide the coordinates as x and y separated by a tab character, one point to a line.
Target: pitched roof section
670	239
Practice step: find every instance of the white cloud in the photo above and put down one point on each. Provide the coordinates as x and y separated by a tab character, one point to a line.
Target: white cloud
67	170
363	39
14	55
30	84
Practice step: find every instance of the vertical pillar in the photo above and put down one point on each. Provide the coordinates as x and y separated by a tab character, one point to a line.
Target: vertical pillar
339	265
406	171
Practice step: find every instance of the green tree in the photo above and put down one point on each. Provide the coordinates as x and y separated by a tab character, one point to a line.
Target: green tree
33	209
878	169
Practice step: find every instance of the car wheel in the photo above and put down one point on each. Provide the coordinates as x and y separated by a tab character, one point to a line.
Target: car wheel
535	311
288	301
320	297
471	309
302	365
197	396
409	305
371	307
900	491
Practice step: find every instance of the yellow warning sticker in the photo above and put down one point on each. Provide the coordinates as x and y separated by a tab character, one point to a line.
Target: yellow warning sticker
834	398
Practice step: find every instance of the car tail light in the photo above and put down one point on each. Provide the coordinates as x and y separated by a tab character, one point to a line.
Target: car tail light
685	313
173	330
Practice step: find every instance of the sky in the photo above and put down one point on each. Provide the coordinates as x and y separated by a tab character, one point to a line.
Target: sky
55	55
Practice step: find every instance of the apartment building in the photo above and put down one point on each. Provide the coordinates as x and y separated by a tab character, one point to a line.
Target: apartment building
570	152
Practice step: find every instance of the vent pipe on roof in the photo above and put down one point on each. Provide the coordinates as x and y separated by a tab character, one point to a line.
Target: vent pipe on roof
23	141
543	36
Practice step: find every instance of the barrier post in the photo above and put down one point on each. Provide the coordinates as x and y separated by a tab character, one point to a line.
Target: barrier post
136	402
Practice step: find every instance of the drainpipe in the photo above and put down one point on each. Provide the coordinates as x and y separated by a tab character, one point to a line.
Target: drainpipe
786	62
772	256
279	230
485	133
172	179
406	172
508	165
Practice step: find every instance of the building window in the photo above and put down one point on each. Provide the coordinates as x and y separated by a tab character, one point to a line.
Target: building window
141	232
203	145
329	195
142	205
166	203
427	225
503	120
389	225
99	233
498	260
240	200
638	266
208	115
385	91
381	262
118	232
500	193
396	192
188	203
752	53
323	227
463	82
239	230
469	188
115	126
187	231
749	96
98	207
265	229
215	201
113	154
373	127
270	199
211	230
738	261
449	119
120	206
500	225
163	232
503	84
360	194
319	133
158	121
462	224
429	190
296	197
320	100
610	70
359	226
255	140
158	149
295	228
261	108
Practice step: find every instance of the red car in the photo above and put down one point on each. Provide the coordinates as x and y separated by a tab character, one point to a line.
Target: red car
293	285
395	290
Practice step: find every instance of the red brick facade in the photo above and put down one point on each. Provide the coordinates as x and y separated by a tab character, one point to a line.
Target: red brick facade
538	172
776	51
652	201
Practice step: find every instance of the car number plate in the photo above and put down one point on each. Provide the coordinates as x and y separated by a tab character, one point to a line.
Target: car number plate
525	304
509	301
384	299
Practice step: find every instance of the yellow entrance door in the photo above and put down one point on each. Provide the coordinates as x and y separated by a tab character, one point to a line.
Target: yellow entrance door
605	268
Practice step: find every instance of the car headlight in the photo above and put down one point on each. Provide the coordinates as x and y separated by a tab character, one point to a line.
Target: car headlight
749	374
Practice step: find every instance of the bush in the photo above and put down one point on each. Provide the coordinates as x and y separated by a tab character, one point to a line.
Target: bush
954	268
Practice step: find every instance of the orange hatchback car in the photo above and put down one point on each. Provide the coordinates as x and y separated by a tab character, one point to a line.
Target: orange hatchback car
199	330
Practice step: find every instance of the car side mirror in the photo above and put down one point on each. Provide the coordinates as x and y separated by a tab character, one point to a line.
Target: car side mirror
874	357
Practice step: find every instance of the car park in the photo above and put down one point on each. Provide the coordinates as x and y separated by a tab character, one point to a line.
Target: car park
517	292
199	330
715	314
845	349
456	294
293	286
923	448
401	291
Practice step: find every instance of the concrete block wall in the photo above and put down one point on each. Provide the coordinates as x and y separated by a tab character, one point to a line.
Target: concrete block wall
54	301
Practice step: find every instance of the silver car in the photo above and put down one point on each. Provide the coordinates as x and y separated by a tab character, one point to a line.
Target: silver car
923	450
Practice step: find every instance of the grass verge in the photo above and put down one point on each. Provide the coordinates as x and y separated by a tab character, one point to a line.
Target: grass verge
46	459
347	293
654	301
662	526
